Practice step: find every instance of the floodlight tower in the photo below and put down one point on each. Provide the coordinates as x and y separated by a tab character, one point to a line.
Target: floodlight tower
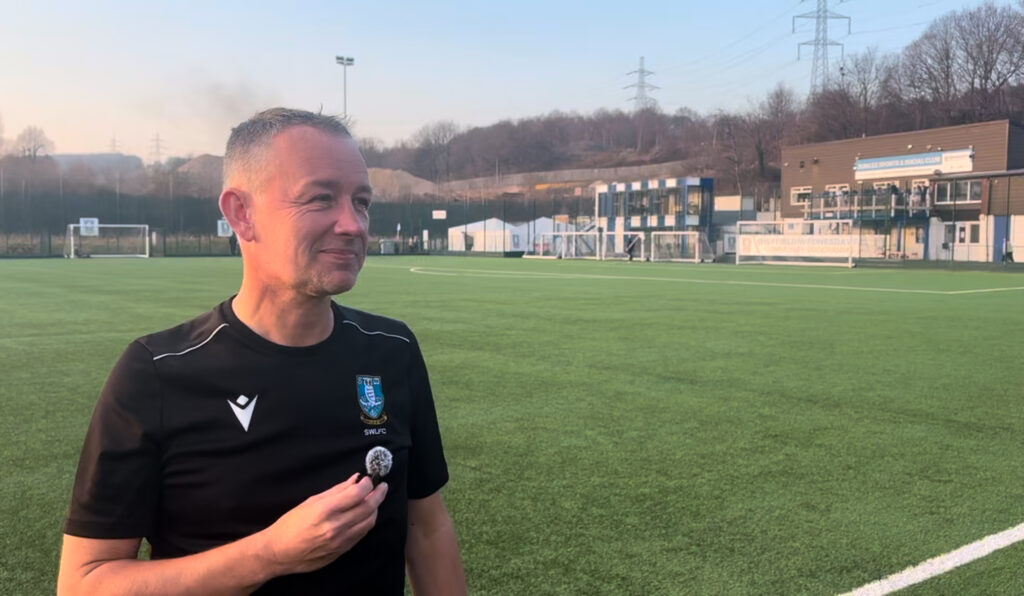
821	42
345	62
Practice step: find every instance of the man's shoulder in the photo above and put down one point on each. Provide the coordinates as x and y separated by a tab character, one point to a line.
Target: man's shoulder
369	323
187	336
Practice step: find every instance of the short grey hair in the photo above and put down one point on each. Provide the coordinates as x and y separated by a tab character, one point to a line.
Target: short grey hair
251	138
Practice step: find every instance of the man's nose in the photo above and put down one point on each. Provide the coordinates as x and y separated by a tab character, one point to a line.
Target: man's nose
349	220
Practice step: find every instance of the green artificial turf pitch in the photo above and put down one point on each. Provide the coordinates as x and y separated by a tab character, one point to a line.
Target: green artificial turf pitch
614	428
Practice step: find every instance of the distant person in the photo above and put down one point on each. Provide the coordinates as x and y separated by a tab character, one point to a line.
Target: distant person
1007	250
631	243
233	244
233	442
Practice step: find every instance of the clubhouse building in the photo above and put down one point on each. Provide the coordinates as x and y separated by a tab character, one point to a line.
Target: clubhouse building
948	194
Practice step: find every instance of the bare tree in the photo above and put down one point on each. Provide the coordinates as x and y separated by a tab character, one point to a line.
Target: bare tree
990	43
770	123
434	143
32	142
930	69
863	77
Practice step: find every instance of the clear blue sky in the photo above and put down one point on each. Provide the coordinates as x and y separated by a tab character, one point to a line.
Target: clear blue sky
89	71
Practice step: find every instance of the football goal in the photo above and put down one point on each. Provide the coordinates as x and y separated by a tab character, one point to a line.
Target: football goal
681	247
623	246
107	240
830	242
568	245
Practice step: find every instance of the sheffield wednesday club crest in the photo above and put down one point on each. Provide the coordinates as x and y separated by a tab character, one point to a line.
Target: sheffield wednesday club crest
371	399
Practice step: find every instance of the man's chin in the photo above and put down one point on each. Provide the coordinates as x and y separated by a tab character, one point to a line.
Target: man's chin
338	283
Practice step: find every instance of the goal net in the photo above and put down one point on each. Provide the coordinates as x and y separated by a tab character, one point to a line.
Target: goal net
681	247
631	245
568	245
830	242
107	240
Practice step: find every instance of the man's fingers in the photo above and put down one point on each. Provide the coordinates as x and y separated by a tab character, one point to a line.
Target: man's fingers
348	494
376	497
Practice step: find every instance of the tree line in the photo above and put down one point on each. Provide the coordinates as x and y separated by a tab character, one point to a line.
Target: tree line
967	66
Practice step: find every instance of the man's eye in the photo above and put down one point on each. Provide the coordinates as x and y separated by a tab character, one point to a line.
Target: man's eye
362	202
324	198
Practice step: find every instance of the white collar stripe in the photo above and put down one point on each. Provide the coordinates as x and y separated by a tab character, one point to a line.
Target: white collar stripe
405	339
205	341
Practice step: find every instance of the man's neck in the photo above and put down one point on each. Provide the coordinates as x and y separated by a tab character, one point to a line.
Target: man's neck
285	319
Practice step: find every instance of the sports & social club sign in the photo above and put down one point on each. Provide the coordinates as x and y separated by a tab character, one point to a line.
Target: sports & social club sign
917	164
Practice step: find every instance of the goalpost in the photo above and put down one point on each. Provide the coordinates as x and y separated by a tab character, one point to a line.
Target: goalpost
619	246
107	240
829	242
568	245
680	247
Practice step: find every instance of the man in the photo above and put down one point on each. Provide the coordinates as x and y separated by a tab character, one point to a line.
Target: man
233	442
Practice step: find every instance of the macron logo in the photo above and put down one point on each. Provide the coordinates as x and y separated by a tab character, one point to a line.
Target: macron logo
243	406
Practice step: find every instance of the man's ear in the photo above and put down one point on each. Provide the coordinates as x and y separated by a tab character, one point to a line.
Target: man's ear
236	205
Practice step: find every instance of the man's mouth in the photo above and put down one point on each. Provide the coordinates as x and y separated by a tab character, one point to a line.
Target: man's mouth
342	252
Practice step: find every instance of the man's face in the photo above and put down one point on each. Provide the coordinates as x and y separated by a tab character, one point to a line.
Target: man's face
310	214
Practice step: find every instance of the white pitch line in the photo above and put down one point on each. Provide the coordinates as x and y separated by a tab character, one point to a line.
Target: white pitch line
544	275
942	563
986	290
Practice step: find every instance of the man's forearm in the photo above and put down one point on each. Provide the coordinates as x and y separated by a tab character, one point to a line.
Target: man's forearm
433	560
236	568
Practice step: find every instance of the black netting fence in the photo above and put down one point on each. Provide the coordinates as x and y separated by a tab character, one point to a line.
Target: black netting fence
34	219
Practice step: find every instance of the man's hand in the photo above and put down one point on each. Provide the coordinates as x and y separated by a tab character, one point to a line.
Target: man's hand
324	526
308	537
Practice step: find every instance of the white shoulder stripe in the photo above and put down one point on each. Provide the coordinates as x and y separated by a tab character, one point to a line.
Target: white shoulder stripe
405	339
205	341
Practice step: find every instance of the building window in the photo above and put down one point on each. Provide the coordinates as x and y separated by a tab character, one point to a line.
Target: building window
800	195
837	195
656	202
975	233
693	195
673	203
958	191
919	190
884	192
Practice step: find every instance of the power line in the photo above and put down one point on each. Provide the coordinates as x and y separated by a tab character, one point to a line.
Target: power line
702	62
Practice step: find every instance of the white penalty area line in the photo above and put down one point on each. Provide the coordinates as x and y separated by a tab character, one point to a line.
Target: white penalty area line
544	275
942	563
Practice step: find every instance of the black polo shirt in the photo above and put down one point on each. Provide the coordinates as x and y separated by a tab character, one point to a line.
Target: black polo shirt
206	433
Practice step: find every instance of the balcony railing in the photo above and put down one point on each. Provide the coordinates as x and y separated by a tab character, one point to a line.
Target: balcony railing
866	205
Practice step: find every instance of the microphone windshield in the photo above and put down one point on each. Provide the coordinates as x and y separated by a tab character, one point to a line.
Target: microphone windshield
378	463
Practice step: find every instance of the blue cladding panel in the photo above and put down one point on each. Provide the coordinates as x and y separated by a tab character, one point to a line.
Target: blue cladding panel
998	251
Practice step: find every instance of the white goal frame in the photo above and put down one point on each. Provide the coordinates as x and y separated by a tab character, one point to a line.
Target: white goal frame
72	251
562	251
612	250
701	248
831	243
